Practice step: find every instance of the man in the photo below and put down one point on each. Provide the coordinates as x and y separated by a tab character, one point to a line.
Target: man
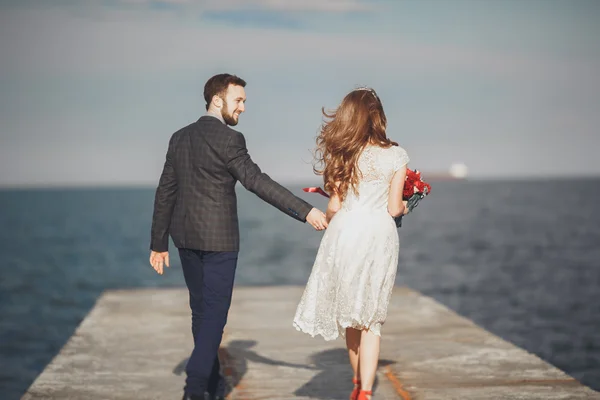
196	204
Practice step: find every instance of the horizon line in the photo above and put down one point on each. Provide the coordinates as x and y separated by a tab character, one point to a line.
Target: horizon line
139	185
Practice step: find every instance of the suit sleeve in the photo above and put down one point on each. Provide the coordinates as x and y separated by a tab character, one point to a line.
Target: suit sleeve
241	166
164	203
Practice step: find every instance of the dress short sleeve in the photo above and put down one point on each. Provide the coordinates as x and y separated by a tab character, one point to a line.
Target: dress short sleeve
400	158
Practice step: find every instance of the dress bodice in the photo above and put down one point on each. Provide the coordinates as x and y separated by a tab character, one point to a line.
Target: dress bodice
377	166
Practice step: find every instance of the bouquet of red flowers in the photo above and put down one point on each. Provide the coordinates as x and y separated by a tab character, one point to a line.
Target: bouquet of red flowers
415	189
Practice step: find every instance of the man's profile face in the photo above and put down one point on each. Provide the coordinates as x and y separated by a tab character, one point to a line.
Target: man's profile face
233	104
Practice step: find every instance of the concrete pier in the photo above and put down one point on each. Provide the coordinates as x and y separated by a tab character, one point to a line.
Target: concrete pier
134	345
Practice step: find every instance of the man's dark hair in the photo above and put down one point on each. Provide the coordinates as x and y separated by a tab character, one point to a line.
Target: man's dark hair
218	84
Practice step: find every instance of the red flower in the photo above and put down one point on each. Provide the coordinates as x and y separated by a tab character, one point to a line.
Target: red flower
414	184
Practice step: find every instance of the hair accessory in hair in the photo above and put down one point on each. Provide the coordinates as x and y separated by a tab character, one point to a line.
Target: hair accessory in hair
368	89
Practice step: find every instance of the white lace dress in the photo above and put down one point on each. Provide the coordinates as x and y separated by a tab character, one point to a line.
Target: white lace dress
353	275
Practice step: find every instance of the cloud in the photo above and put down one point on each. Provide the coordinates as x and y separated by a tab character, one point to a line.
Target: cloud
151	2
135	43
268	14
330	6
256	18
158	1
334	6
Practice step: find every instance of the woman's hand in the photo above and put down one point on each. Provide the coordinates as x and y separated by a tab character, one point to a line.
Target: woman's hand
405	202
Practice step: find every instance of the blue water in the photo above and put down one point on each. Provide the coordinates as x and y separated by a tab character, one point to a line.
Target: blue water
521	259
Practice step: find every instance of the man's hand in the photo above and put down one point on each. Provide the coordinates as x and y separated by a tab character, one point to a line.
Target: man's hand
317	219
158	260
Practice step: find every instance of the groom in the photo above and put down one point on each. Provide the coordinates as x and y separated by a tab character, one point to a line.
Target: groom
196	204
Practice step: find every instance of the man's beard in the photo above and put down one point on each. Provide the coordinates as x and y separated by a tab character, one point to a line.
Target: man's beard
227	116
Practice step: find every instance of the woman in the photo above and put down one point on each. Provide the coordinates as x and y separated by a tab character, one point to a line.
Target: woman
351	282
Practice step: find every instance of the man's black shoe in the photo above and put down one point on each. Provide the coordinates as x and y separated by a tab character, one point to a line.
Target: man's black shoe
192	397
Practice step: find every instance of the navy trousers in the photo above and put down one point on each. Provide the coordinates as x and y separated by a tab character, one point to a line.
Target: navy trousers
209	278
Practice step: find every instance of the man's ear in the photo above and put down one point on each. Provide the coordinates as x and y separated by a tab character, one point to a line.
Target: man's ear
217	101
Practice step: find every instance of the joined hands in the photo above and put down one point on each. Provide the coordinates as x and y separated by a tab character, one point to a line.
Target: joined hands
317	219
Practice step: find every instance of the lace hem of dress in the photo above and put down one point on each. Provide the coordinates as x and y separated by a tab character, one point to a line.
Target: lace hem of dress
373	327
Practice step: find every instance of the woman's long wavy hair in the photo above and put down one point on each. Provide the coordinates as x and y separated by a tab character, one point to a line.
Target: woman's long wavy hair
358	121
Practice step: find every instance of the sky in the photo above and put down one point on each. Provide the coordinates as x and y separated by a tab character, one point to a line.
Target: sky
91	90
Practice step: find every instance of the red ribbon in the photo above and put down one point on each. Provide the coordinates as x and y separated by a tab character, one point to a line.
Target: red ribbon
316	190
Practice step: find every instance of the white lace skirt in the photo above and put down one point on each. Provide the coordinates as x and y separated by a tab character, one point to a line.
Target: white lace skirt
353	276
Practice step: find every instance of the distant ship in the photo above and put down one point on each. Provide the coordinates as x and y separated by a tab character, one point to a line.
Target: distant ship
457	171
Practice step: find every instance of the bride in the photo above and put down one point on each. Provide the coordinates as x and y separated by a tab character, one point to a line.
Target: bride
352	278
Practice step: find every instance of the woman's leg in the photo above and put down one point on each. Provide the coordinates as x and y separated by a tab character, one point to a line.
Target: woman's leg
353	345
368	358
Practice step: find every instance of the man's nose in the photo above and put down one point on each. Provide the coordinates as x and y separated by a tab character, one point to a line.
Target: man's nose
242	107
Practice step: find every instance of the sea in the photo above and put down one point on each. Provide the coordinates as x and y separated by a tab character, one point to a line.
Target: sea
519	258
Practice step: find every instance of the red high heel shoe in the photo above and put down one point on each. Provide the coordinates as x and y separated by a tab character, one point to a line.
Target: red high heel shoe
354	394
362	395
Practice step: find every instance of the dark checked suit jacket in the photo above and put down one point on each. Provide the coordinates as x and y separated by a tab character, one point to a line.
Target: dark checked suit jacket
195	201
